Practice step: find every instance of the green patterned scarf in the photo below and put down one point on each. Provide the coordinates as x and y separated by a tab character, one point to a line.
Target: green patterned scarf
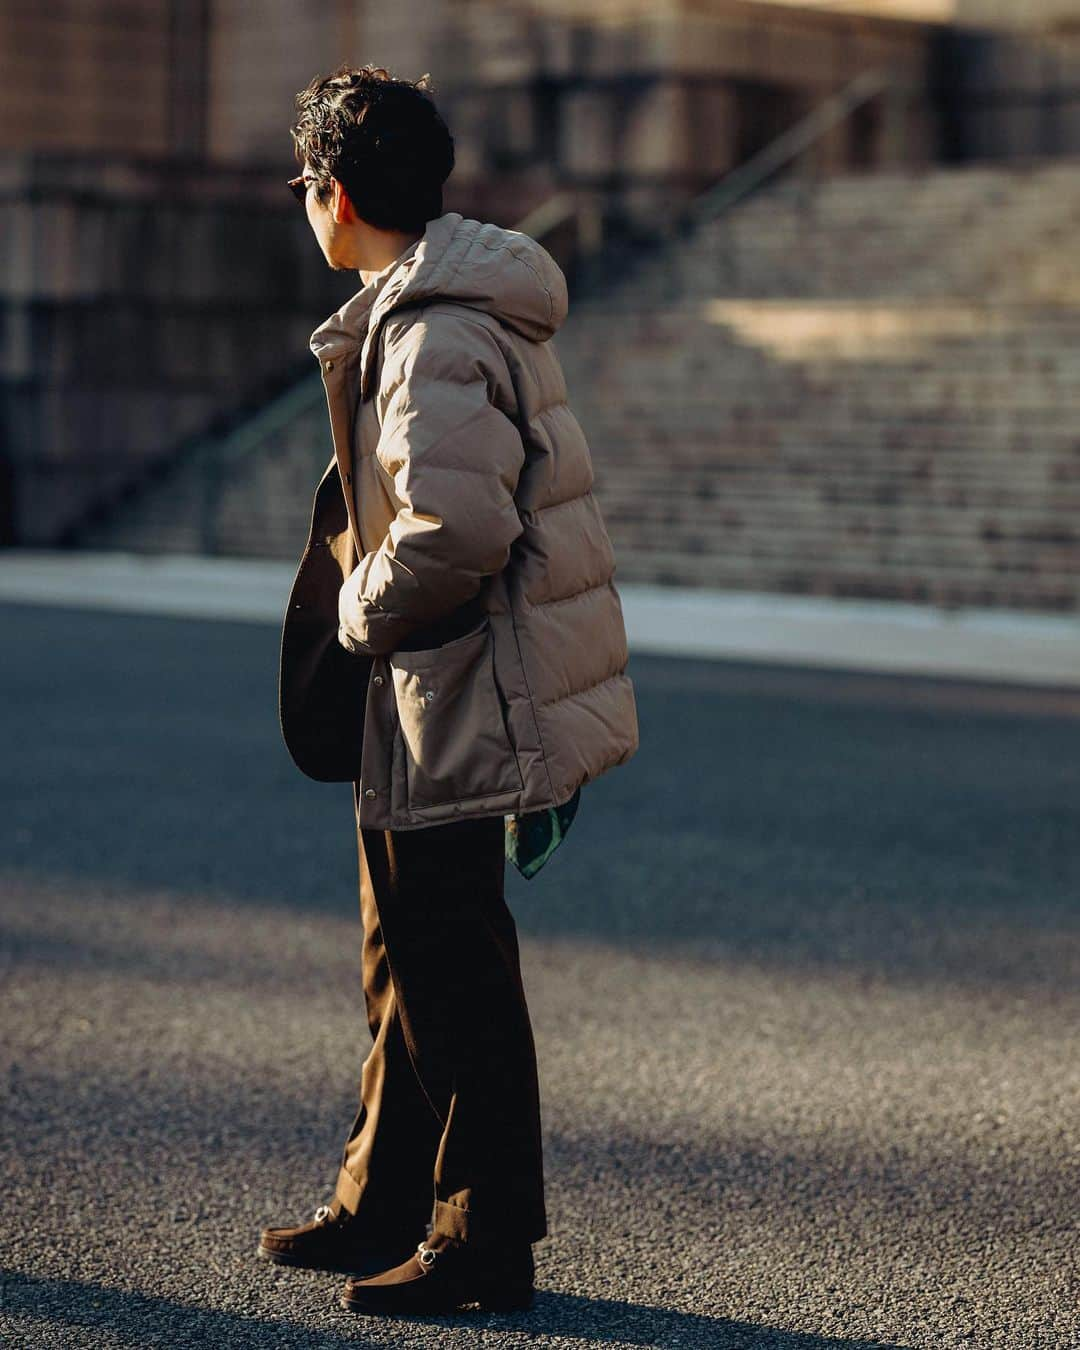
532	837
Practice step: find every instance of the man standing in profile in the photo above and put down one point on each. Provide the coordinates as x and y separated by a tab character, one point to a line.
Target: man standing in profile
454	646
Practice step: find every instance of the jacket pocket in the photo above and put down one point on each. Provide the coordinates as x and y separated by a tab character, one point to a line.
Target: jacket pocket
452	723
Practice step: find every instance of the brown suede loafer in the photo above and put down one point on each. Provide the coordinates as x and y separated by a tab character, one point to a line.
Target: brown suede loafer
333	1240
443	1275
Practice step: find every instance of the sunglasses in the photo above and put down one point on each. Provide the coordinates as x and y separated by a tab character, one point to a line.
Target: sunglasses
299	186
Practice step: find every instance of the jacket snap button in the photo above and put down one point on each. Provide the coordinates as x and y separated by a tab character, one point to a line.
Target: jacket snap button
329	365
377	680
369	792
430	695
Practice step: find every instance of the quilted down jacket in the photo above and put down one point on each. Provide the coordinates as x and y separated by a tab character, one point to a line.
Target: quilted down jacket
454	641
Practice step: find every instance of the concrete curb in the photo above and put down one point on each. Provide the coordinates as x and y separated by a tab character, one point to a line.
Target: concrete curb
726	625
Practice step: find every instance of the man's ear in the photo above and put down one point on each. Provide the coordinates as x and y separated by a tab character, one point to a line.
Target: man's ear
340	205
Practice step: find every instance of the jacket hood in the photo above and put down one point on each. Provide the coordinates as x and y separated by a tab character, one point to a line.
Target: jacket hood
502	272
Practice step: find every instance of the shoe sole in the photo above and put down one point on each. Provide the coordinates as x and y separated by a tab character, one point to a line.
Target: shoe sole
495	1302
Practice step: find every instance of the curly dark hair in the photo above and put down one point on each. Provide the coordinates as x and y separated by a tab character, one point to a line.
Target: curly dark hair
382	138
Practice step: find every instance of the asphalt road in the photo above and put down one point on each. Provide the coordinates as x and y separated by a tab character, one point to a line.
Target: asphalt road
805	983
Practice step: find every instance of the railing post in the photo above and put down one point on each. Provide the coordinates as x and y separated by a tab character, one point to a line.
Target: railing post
209	503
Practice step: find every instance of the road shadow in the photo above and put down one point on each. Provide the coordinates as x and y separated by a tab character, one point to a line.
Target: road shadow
787	1176
808	817
54	1303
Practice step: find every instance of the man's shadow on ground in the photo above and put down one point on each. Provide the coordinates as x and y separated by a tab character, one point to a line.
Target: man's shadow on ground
30	1303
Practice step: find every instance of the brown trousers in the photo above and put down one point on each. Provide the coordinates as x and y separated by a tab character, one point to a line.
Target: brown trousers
448	1094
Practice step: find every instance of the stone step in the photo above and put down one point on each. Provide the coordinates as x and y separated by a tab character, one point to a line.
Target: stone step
731	555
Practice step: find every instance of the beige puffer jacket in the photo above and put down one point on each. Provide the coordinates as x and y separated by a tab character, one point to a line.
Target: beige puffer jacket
454	638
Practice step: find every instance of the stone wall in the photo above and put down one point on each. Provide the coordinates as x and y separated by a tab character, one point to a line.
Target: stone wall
637	102
1008	96
635	106
142	303
640	100
1016	15
104	76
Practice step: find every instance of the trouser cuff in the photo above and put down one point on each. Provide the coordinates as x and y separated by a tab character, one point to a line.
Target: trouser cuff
451	1221
348	1196
463	1225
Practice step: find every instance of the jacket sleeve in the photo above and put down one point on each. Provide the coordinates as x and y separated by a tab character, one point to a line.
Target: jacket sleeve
455	457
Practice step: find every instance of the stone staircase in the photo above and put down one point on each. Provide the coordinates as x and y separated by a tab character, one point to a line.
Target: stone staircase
247	496
866	388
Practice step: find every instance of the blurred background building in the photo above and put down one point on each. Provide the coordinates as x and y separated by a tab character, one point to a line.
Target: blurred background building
838	239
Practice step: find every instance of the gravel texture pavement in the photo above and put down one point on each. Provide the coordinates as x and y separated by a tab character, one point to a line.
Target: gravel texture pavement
805	984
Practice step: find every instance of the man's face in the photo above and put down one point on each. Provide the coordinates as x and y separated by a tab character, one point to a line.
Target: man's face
330	222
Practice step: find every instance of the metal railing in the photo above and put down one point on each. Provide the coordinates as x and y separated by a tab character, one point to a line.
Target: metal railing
786	148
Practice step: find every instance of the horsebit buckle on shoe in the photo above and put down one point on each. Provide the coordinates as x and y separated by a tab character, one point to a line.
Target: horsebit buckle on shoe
427	1256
